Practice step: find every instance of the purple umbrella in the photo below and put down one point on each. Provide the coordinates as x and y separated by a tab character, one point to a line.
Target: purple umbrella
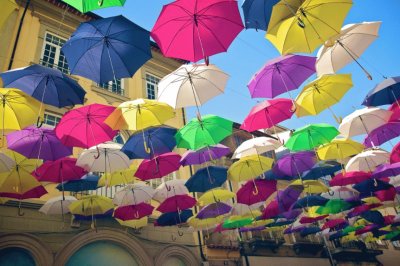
280	75
41	143
294	164
387	170
286	198
205	154
213	210
251	229
382	134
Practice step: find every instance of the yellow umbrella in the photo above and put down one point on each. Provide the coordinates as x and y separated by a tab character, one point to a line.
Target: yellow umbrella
322	93
7	7
259	223
312	212
204	223
122	177
139	114
91	205
310	186
350	237
298	26
136	224
339	149
371	200
249	167
215	195
274	229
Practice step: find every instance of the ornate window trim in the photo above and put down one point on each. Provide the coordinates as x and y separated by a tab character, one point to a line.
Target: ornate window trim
179	252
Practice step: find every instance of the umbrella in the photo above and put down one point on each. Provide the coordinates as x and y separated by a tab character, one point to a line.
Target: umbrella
135	223
309	201
395	109
193	30
85	6
287	197
170	188
89	206
249	167
363	121
139	114
150	142
311	136
86	182
386	170
373	217
294	164
107	49
133	194
349	178
382	134
395	154
208	153
106	157
207	178
280	75
7	8
346	47
257	13
120	177
334	206
205	223
256	146
267	114
255	191
322	169
40	143
310	186
309	231
205	131
57	205
6	163
84	126
213	210
386	195
159	166
344	193
322	93
334	224
367	160
58	171
215	195
131	212
176	203
173	218
339	149
369	186
247	210
234	222
301	26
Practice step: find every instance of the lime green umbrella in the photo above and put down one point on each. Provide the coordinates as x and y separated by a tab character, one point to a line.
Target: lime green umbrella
350	229
90	5
236	223
392	235
334	206
205	131
311	136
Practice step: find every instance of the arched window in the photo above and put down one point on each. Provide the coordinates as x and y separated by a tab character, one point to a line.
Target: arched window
15	256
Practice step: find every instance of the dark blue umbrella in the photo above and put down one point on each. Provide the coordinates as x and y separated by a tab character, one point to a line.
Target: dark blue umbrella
309	201
149	143
107	214
174	218
87	182
270	175
257	13
310	231
337	235
107	49
386	92
207	178
280	223
367	187
373	217
47	85
322	169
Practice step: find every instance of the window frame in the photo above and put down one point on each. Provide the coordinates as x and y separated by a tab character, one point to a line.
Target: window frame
57	54
147	74
56	116
109	86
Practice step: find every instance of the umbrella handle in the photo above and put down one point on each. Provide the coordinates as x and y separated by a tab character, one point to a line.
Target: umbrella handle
100	2
39	123
97	156
20	213
136	215
173	238
329	193
168	188
255	192
206	237
180	233
293	109
207	60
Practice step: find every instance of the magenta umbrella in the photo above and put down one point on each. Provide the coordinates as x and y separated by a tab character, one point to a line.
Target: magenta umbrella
205	154
382	134
254	191
159	166
194	29
267	114
58	171
84	127
133	212
176	203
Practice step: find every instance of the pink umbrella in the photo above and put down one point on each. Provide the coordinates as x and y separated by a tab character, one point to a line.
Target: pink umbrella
366	229
308	220
193	29
255	191
84	127
159	166
271	210
334	223
133	212
395	108
33	193
176	203
349	178
386	195
395	154
267	114
58	171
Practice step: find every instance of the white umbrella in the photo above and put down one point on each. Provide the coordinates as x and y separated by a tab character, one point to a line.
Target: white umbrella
346	47
133	194
340	193
243	209
256	146
169	189
367	161
395	181
191	85
6	163
106	157
57	205
363	121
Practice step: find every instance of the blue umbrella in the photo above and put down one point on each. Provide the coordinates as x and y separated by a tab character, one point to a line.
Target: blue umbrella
270	175
386	92
309	201
310	231
149	143
367	187
373	217
87	182
174	218
337	235
107	49
322	169
280	223
107	214
207	178
47	85
257	13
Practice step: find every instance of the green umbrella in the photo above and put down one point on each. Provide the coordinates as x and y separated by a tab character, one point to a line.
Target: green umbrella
334	206
89	5
236	223
350	229
201	132
311	136
392	235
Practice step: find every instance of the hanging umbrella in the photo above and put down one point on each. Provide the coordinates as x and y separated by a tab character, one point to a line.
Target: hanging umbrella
173	218
322	93
322	169
287	197
309	231
6	163
256	146
280	75
40	143
358	210
344	193
134	223
215	195
346	47
334	206
310	186
34	193
8	7
193	30
57	205
382	134
159	166
133	194
89	206
207	178
170	188
150	142
234	222
213	210
367	161
363	121
249	167
208	223
349	178
120	177
131	212
386	170
58	171
395	154
339	149
395	109
176	203
86	182
294	164
257	13
206	154
301	26
85	6
107	49
247	210
267	114
369	186
386	195
310	201
255	191
84	126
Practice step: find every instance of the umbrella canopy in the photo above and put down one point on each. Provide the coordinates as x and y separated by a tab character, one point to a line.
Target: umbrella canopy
57	205
349	178
90	5
301	26
193	30
207	178
120	177
322	169
280	75
334	224
395	154
256	146
369	186
47	85
257	13
344	193
6	163
58	171
176	203
310	186
170	188
233	222
213	210
386	170
107	49
309	231
40	143
339	149
294	164
249	167
132	212
287	197
373	217
255	191
150	142
173	218
367	161
382	134
247	210
309	201
395	109
159	166
34	193
334	206
207	223
386	92
215	195
91	205
206	154
311	136
133	194
135	223
86	182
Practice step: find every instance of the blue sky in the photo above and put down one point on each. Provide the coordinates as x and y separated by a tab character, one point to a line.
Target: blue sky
251	50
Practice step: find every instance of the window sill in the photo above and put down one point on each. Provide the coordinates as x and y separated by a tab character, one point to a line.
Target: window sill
114	96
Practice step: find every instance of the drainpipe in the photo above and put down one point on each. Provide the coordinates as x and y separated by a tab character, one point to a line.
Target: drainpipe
21	22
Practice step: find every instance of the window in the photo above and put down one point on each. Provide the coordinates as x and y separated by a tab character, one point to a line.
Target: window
52	55
51	120
119	139
113	86
154	183
151	86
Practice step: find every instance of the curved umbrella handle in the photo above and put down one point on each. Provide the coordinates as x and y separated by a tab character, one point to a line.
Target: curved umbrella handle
168	187
173	238
207	60
375	183
293	109
39	123
20	213
331	194
180	233
100	2
146	148
255	192
136	215
97	156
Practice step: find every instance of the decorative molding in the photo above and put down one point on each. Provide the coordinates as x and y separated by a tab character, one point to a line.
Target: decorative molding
179	252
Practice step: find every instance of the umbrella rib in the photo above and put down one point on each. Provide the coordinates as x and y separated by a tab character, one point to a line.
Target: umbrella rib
178	31
212	33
